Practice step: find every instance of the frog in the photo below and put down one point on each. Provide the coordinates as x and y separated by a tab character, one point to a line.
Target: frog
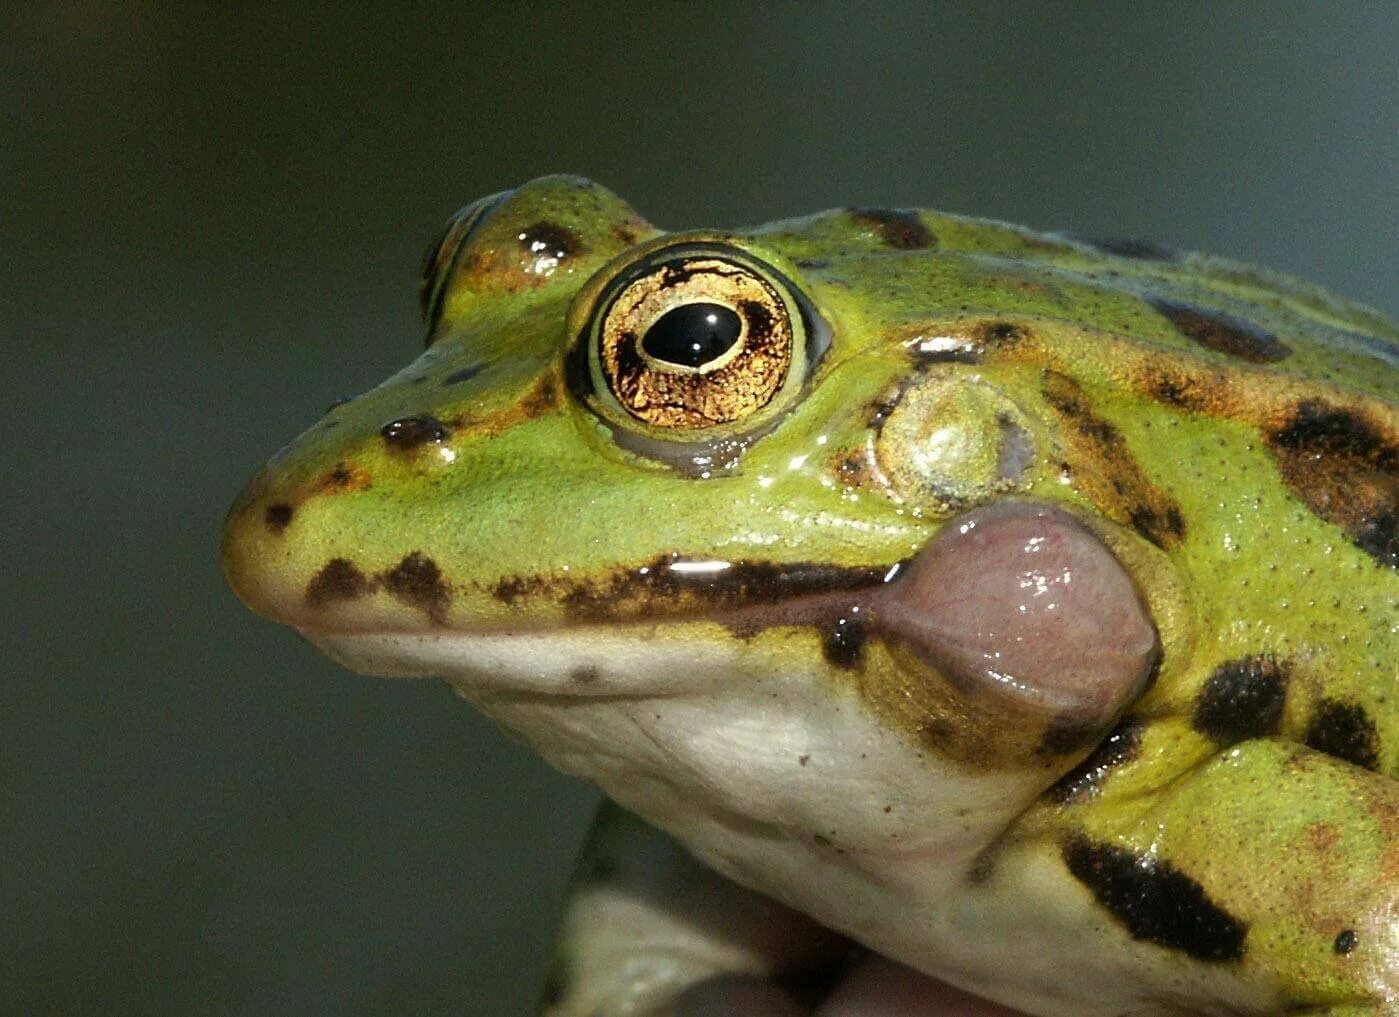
1012	608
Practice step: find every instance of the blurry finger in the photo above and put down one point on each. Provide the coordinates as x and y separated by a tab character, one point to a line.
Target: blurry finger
737	996
878	987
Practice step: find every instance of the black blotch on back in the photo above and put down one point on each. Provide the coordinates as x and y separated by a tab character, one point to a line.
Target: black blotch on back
1155	901
1346	470
898	228
1223	333
278	516
338	579
417	580
551	240
1345	942
1346	731
1120	746
1242	699
844	641
408	433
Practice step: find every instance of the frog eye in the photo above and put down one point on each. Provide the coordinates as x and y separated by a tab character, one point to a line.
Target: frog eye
441	256
698	337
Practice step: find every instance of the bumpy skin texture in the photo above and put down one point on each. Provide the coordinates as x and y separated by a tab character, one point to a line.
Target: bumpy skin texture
711	633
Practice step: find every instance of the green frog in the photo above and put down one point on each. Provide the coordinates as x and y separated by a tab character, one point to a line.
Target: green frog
1014	606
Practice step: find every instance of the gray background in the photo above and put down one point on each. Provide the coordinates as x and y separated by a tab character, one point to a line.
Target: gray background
210	224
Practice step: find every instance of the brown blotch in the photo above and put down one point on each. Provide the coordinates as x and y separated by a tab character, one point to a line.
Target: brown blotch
625	234
344	477
1345	468
999	334
278	516
550	240
1223	333
1345	731
417	580
898	228
853	468
1106	471
512	588
338	579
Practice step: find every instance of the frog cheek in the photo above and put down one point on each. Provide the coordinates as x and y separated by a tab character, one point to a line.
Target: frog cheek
1028	616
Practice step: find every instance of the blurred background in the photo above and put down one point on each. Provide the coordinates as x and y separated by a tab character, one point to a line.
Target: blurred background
210	224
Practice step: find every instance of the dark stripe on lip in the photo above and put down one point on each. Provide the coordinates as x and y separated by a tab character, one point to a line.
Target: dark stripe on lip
727	585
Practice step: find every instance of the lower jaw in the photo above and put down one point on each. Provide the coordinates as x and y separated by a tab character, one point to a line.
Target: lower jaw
585	661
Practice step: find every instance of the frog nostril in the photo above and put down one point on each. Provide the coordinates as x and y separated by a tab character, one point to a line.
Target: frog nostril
407	433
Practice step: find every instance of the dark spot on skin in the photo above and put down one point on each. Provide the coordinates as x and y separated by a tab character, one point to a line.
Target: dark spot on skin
803	760
853	468
1222	332
1120	746
1345	942
585	675
983	866
408	433
1067	736
1345	468
823	841
812	263
1242	699
882	407
278	516
1000	333
625	234
339	579
1106	470
844	642
1125	247
464	374
1172	393
417	580
1155	901
551	240
899	229
344	477
1346	731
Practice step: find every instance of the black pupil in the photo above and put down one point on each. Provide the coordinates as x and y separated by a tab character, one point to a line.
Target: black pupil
692	335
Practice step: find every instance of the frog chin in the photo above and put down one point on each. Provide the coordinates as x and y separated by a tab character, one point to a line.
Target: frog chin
584	661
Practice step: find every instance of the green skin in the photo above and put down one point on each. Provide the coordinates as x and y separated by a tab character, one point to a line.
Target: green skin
1237	457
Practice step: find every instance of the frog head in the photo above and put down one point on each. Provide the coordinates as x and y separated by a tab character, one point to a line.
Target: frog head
714	518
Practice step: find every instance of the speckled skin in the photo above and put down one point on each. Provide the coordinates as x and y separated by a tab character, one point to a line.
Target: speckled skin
1227	846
